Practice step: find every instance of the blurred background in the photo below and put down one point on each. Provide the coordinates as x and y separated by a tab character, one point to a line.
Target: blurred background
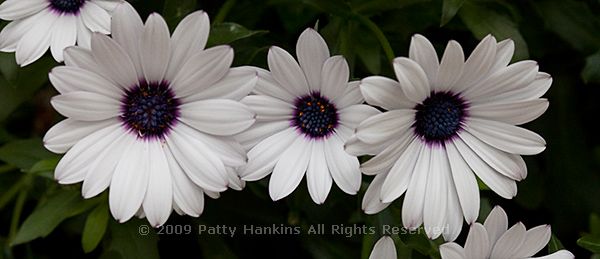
41	219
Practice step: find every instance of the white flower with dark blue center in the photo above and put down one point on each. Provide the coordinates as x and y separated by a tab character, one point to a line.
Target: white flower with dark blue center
447	122
494	239
306	110
151	115
56	24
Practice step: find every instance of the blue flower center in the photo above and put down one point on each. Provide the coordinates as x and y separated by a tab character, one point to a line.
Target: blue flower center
315	116
439	117
67	6
150	109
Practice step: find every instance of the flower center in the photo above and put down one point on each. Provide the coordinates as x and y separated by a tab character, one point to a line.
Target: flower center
315	116
439	117
150	109
66	6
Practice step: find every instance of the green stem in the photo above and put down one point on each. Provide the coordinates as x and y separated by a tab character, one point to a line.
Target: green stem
385	44
7	168
16	217
224	11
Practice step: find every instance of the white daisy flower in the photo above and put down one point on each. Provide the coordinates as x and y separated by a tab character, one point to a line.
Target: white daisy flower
493	240
446	123
151	115
384	249
305	113
39	24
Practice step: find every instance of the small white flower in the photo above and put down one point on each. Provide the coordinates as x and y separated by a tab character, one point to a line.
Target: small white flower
447	122
493	240
305	113
384	249
151	115
39	24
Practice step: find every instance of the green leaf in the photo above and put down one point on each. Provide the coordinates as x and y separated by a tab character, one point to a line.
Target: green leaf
25	153
591	71
590	242
483	20
175	10
46	217
449	10
554	244
95	227
226	33
127	241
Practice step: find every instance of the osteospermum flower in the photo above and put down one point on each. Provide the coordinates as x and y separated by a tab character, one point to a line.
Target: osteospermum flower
384	249
446	123
493	240
305	113
39	24
150	115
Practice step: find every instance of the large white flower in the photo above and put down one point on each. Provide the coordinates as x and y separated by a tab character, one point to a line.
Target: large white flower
151	115
305	113
39	24
384	249
493	240
446	123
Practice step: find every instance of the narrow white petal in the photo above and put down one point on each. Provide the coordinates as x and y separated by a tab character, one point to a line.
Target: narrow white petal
350	97
534	90
189	37
287	72
436	195
290	169
451	67
13	32
515	113
384	160
263	157
515	76
478	64
496	224
202	70
113	59
535	239
412	208
259	131
423	52
412	79
36	41
95	18
235	85
385	93
385	126
477	244
508	244
86	106
352	116
80	57
504	54
84	34
506	137
64	34
561	254
220	117
317	174
68	79
19	9
267	85
334	78
344	168
402	172
371	203
158	200
228	150
268	108
129	182
384	249
126	29
452	250
312	51
355	147
108	5
454	216
62	136
155	48
188	196
465	184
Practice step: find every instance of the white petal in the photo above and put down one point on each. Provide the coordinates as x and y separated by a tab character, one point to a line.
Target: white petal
478	64
64	34
62	136
452	251
561	254
515	76
385	93
262	158
159	196
496	224
355	147
129	182
371	203
108	5
504	54
155	48
412	79
412	208
384	249
259	131
344	168
317	174
235	85
385	126
220	117
454	216
19	9
312	51
127	28
506	137
534	90
287	72
535	239
500	184
465	182
86	106
422	51
13	32
515	113
436	195
228	150
189	38
352	116
350	97
113	59
509	242
389	154
267	85
451	67
334	77
36	41
202	70
186	195
80	57
477	244
95	18
290	168
67	79
84	34
234	180
268	108
402	172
